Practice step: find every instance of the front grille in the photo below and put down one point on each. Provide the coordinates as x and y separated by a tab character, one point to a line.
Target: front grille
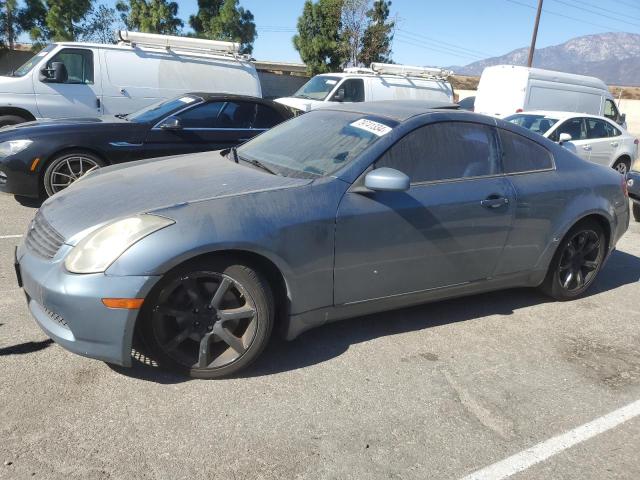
56	318
42	239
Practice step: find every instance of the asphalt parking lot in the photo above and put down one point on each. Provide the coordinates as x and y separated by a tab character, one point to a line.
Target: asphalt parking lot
439	391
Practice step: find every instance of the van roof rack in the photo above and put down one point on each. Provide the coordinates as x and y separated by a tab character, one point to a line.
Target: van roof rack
403	70
172	42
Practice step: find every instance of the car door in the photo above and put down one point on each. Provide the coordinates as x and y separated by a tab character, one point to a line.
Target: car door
205	127
448	229
603	144
579	144
79	94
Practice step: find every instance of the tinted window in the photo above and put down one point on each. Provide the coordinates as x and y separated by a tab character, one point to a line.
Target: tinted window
600	129
237	115
523	155
161	109
79	64
266	117
353	89
445	151
201	116
574	127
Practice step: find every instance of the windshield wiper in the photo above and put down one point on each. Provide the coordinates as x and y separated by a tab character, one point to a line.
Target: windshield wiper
121	115
234	151
259	164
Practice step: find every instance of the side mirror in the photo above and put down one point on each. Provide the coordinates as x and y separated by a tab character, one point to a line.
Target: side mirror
170	123
622	118
57	73
386	180
564	137
339	95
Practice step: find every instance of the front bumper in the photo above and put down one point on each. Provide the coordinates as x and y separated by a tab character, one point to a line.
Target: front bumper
17	179
68	307
633	185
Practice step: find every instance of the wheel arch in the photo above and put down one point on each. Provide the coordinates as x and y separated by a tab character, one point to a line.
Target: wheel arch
42	167
624	157
19	112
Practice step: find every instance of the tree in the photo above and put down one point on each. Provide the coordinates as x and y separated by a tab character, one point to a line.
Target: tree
57	20
225	20
9	22
100	25
354	22
377	38
319	36
152	16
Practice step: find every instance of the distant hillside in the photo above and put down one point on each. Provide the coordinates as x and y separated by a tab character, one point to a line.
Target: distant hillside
612	57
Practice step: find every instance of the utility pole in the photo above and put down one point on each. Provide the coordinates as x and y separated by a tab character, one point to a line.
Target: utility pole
535	34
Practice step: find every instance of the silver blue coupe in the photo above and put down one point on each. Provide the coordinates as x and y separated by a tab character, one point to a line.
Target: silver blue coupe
337	213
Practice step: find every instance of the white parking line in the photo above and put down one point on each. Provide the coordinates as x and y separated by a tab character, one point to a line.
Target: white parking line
540	452
2	237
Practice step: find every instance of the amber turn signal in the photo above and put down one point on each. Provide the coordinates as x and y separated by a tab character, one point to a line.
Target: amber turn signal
34	164
125	303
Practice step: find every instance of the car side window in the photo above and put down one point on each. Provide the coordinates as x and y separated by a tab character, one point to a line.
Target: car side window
445	151
574	127
353	89
78	63
266	117
237	115
611	111
519	154
201	116
599	129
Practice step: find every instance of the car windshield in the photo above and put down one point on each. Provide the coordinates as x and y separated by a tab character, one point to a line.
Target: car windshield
536	123
331	140
317	88
29	64
161	109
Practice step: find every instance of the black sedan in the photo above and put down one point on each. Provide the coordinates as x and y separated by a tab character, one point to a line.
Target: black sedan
41	158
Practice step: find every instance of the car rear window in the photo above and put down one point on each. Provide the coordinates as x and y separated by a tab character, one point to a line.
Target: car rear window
519	154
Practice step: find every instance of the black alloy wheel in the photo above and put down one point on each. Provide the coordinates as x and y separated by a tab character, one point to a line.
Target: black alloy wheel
577	261
208	322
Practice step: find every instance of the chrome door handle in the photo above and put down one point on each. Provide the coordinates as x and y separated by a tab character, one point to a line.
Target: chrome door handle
587	147
494	202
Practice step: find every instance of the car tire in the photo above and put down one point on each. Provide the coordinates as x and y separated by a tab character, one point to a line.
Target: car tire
636	211
573	256
6	120
178	322
622	165
66	169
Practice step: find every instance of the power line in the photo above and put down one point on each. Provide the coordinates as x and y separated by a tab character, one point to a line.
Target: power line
412	42
516	2
440	47
596	13
629	4
611	12
447	44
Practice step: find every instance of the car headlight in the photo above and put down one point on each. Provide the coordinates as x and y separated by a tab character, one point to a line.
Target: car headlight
98	250
11	147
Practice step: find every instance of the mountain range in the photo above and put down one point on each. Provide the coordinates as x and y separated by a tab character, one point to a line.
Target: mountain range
613	57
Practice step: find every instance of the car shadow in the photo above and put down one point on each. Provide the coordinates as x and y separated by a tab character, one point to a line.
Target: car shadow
27	347
332	340
28	201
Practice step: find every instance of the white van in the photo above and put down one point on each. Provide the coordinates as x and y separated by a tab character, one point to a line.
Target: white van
70	79
507	89
380	82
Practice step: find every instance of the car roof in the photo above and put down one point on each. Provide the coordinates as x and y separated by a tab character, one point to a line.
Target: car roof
398	110
559	115
208	96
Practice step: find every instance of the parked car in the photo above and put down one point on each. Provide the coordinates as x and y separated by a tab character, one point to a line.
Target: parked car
70	79
337	213
42	158
591	137
468	103
380	82
633	185
507	89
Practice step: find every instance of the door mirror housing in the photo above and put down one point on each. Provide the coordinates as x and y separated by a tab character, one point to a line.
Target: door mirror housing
170	123
386	180
339	95
564	137
622	118
57	73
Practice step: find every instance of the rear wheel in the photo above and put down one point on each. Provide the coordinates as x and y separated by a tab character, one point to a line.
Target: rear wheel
636	211
576	262
208	320
623	165
65	169
11	120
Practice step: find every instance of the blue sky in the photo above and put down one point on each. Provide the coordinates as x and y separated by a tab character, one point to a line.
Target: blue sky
436	32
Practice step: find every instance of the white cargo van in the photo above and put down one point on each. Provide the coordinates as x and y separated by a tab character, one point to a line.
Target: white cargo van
507	89
380	82
70	79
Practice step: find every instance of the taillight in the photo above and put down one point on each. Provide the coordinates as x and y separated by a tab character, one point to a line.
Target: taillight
635	142
625	188
519	110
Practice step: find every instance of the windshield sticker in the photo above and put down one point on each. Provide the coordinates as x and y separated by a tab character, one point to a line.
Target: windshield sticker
331	82
42	53
370	126
186	99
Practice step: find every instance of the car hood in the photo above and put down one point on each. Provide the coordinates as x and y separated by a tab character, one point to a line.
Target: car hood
152	185
302	104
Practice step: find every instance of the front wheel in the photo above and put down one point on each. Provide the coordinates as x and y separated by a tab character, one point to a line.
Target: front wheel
208	319
622	166
577	262
65	169
636	211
